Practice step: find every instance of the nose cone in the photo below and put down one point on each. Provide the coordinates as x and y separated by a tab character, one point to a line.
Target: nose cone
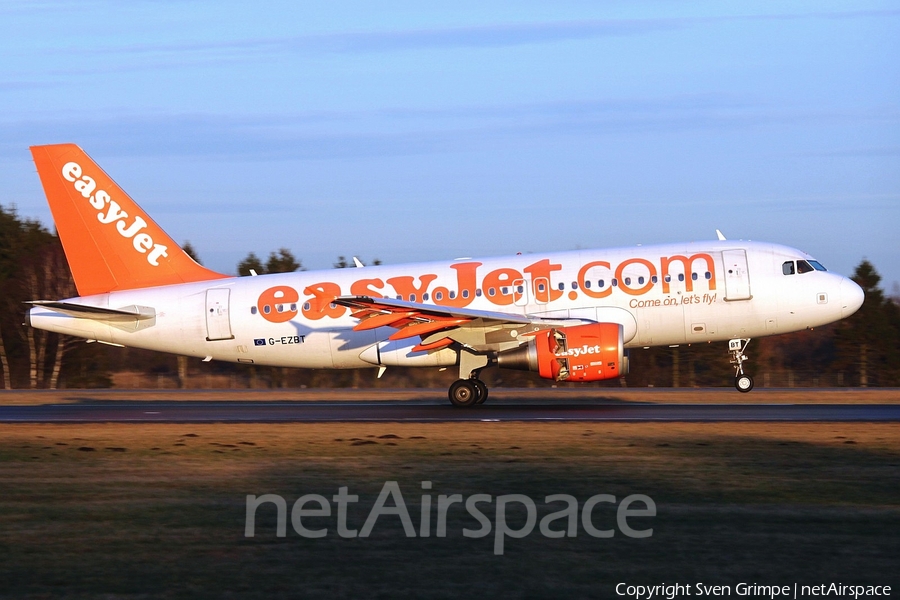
852	297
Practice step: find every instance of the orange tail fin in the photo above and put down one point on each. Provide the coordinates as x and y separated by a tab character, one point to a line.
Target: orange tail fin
110	243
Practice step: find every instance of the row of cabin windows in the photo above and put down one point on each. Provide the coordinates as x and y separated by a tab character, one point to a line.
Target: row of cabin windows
438	296
802	266
267	309
640	280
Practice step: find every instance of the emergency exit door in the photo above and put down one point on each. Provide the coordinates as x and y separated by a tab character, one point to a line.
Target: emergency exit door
218	323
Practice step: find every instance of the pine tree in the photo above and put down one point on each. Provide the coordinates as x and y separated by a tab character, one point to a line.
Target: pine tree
251	263
867	342
282	262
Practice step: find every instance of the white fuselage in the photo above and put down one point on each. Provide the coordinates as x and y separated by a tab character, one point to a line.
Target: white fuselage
662	295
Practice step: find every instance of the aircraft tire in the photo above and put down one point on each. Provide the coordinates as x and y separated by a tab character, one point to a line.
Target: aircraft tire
481	391
463	393
743	383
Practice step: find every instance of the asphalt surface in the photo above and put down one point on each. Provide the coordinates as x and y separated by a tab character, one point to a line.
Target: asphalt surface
432	411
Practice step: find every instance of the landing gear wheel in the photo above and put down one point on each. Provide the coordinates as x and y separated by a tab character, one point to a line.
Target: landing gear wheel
481	391
463	393
743	383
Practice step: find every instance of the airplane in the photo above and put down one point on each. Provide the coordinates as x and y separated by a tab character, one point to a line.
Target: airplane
569	316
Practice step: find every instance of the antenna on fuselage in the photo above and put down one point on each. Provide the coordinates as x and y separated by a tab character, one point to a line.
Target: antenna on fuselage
720	235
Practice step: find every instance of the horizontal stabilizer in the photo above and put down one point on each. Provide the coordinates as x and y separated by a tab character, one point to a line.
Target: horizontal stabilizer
84	311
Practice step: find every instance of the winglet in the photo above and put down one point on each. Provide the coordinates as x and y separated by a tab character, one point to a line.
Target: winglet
110	242
720	235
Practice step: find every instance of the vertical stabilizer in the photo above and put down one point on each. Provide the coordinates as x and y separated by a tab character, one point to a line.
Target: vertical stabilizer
110	242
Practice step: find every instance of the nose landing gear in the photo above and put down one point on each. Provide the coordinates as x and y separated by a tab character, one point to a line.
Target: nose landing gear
742	381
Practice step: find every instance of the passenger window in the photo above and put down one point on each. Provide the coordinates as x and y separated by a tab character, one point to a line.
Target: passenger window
438	295
587	283
478	292
465	293
452	295
491	291
615	282
681	277
600	283
305	306
641	280
668	279
562	286
574	285
628	281
654	279
708	275
267	309
804	267
253	310
541	287
694	276
412	297
425	297
788	267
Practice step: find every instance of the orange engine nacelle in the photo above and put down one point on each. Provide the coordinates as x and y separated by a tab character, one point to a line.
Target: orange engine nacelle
582	353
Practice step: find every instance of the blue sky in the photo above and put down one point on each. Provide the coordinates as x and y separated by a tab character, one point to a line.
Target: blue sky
409	131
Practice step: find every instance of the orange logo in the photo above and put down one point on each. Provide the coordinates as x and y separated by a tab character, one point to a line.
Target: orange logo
100	200
499	286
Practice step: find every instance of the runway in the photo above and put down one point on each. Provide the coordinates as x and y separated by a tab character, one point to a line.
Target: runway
437	412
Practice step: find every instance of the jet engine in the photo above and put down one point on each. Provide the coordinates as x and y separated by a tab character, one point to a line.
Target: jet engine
581	353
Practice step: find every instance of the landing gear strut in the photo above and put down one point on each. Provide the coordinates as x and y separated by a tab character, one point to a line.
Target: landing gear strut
742	381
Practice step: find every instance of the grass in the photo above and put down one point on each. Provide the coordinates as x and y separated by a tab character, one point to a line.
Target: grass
157	510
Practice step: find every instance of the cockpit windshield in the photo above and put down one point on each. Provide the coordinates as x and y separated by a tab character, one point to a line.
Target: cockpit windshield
817	266
791	267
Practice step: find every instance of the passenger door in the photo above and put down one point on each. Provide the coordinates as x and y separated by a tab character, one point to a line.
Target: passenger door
218	322
737	275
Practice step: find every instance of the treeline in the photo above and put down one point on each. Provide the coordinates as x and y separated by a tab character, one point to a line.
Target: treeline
863	350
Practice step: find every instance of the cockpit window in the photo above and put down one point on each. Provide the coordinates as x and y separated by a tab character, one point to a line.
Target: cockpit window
788	267
804	267
817	266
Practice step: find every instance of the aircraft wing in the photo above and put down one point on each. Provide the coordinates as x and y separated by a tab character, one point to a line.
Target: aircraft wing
439	326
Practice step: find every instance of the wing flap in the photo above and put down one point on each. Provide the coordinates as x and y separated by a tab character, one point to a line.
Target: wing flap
438	326
388	305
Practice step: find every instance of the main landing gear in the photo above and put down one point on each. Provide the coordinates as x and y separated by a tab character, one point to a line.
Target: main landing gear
468	390
742	381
